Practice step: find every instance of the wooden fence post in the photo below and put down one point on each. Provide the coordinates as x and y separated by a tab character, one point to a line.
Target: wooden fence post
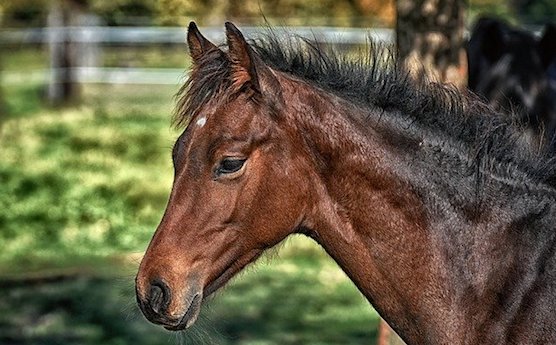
88	50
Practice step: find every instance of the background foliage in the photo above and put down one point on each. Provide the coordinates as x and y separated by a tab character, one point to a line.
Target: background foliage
83	187
358	13
210	12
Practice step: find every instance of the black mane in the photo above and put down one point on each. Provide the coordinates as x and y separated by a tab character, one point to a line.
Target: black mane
375	81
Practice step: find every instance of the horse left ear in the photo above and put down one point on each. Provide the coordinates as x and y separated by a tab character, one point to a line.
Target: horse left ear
199	46
247	66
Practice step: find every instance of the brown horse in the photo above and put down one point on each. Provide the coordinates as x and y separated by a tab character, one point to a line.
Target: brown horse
422	196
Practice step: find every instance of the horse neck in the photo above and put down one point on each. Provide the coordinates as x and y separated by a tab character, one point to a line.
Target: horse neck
391	225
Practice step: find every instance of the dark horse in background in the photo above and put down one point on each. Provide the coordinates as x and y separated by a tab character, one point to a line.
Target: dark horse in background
421	195
515	71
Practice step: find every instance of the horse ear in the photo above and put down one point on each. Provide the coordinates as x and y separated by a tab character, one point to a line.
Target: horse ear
198	44
247	66
494	44
547	45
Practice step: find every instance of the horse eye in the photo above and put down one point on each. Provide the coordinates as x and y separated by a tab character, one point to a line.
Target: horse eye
230	165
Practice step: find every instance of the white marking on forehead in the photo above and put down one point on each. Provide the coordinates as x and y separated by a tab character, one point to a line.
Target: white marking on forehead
201	122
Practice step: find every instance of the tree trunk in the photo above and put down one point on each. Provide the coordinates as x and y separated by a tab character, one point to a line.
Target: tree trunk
430	39
3	106
63	86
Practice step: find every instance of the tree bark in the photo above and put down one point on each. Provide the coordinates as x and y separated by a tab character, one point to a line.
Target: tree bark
430	39
3	107
63	86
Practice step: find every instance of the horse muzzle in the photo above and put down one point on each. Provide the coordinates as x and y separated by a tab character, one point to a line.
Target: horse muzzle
172	309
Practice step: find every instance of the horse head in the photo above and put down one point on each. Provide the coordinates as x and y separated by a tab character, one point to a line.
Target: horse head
240	184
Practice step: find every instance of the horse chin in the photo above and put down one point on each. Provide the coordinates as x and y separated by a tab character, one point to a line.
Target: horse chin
194	307
231	270
190	315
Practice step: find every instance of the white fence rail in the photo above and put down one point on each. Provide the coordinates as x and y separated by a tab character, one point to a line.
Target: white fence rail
146	35
101	75
98	36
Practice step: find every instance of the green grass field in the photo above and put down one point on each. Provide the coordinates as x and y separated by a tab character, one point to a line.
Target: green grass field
82	189
84	181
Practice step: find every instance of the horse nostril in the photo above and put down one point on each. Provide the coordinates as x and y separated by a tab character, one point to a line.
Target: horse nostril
159	297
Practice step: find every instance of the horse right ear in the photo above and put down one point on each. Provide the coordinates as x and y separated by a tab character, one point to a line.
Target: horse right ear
199	46
249	69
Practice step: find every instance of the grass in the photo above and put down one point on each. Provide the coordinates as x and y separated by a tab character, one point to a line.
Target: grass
25	58
81	190
91	180
299	298
169	56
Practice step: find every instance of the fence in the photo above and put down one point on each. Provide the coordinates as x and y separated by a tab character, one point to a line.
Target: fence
91	39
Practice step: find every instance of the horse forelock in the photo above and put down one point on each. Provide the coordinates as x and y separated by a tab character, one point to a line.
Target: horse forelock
208	79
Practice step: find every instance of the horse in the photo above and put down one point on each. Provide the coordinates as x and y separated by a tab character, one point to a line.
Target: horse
513	69
421	194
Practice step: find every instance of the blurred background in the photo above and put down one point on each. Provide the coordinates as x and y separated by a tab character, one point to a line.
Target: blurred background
86	97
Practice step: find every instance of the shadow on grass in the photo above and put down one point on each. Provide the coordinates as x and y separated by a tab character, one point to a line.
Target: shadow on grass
268	306
76	310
